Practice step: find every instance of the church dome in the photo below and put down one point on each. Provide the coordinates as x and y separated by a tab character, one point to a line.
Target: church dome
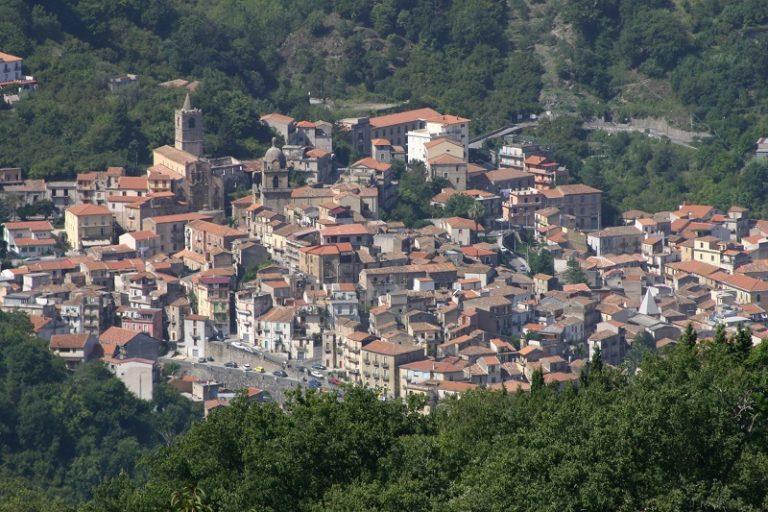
274	157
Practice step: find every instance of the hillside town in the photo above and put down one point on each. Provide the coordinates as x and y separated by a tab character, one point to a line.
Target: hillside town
289	257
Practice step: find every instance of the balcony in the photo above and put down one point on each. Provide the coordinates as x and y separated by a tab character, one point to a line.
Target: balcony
385	365
376	364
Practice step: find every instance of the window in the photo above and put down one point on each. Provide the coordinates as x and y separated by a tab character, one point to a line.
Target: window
191	123
275	182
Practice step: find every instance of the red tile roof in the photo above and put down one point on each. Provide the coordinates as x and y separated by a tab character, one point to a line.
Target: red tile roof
117	336
391	349
32	225
371	163
69	340
85	210
402	117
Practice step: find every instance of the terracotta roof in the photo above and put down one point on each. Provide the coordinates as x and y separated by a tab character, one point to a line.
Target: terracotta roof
277	118
447	119
391	349
69	340
7	57
317	153
577	188
29	242
694	211
462	223
439	140
345	230
446	159
371	163
32	225
39	322
179	217
380	142
506	174
132	182
278	314
117	336
402	117
216	229
305	124
176	155
84	210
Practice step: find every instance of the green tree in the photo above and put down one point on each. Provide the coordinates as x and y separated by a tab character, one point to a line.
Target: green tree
458	205
476	212
542	262
574	274
689	336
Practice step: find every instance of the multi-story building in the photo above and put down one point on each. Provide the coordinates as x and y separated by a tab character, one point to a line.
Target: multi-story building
615	240
149	321
250	304
380	365
274	329
581	201
513	154
88	311
375	282
213	301
10	68
170	229
29	238
197	331
88	225
73	348
355	234
202	237
333	263
439	126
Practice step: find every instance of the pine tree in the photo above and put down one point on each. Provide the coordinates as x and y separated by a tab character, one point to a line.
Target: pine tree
741	342
689	336
720	337
537	380
574	274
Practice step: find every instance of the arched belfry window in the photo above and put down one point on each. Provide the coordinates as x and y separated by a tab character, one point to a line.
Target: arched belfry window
275	182
191	123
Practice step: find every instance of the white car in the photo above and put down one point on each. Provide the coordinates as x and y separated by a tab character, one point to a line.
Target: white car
317	374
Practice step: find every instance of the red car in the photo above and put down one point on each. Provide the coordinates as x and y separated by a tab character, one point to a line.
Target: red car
334	380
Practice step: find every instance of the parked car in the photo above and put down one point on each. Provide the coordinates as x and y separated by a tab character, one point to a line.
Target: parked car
247	367
318	366
202	360
334	380
316	373
260	369
280	373
301	369
230	364
314	384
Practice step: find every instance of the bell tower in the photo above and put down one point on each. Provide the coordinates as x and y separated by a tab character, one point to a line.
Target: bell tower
189	129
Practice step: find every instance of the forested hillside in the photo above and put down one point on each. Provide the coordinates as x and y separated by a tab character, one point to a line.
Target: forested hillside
698	64
688	432
62	434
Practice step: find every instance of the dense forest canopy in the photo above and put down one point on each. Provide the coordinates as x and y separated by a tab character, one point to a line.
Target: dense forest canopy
687	432
64	433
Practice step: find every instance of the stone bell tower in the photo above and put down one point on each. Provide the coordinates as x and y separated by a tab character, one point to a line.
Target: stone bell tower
189	129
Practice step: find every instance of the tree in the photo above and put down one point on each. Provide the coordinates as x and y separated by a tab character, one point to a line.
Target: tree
476	212
574	273
742	341
458	205
689	336
542	262
720	339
